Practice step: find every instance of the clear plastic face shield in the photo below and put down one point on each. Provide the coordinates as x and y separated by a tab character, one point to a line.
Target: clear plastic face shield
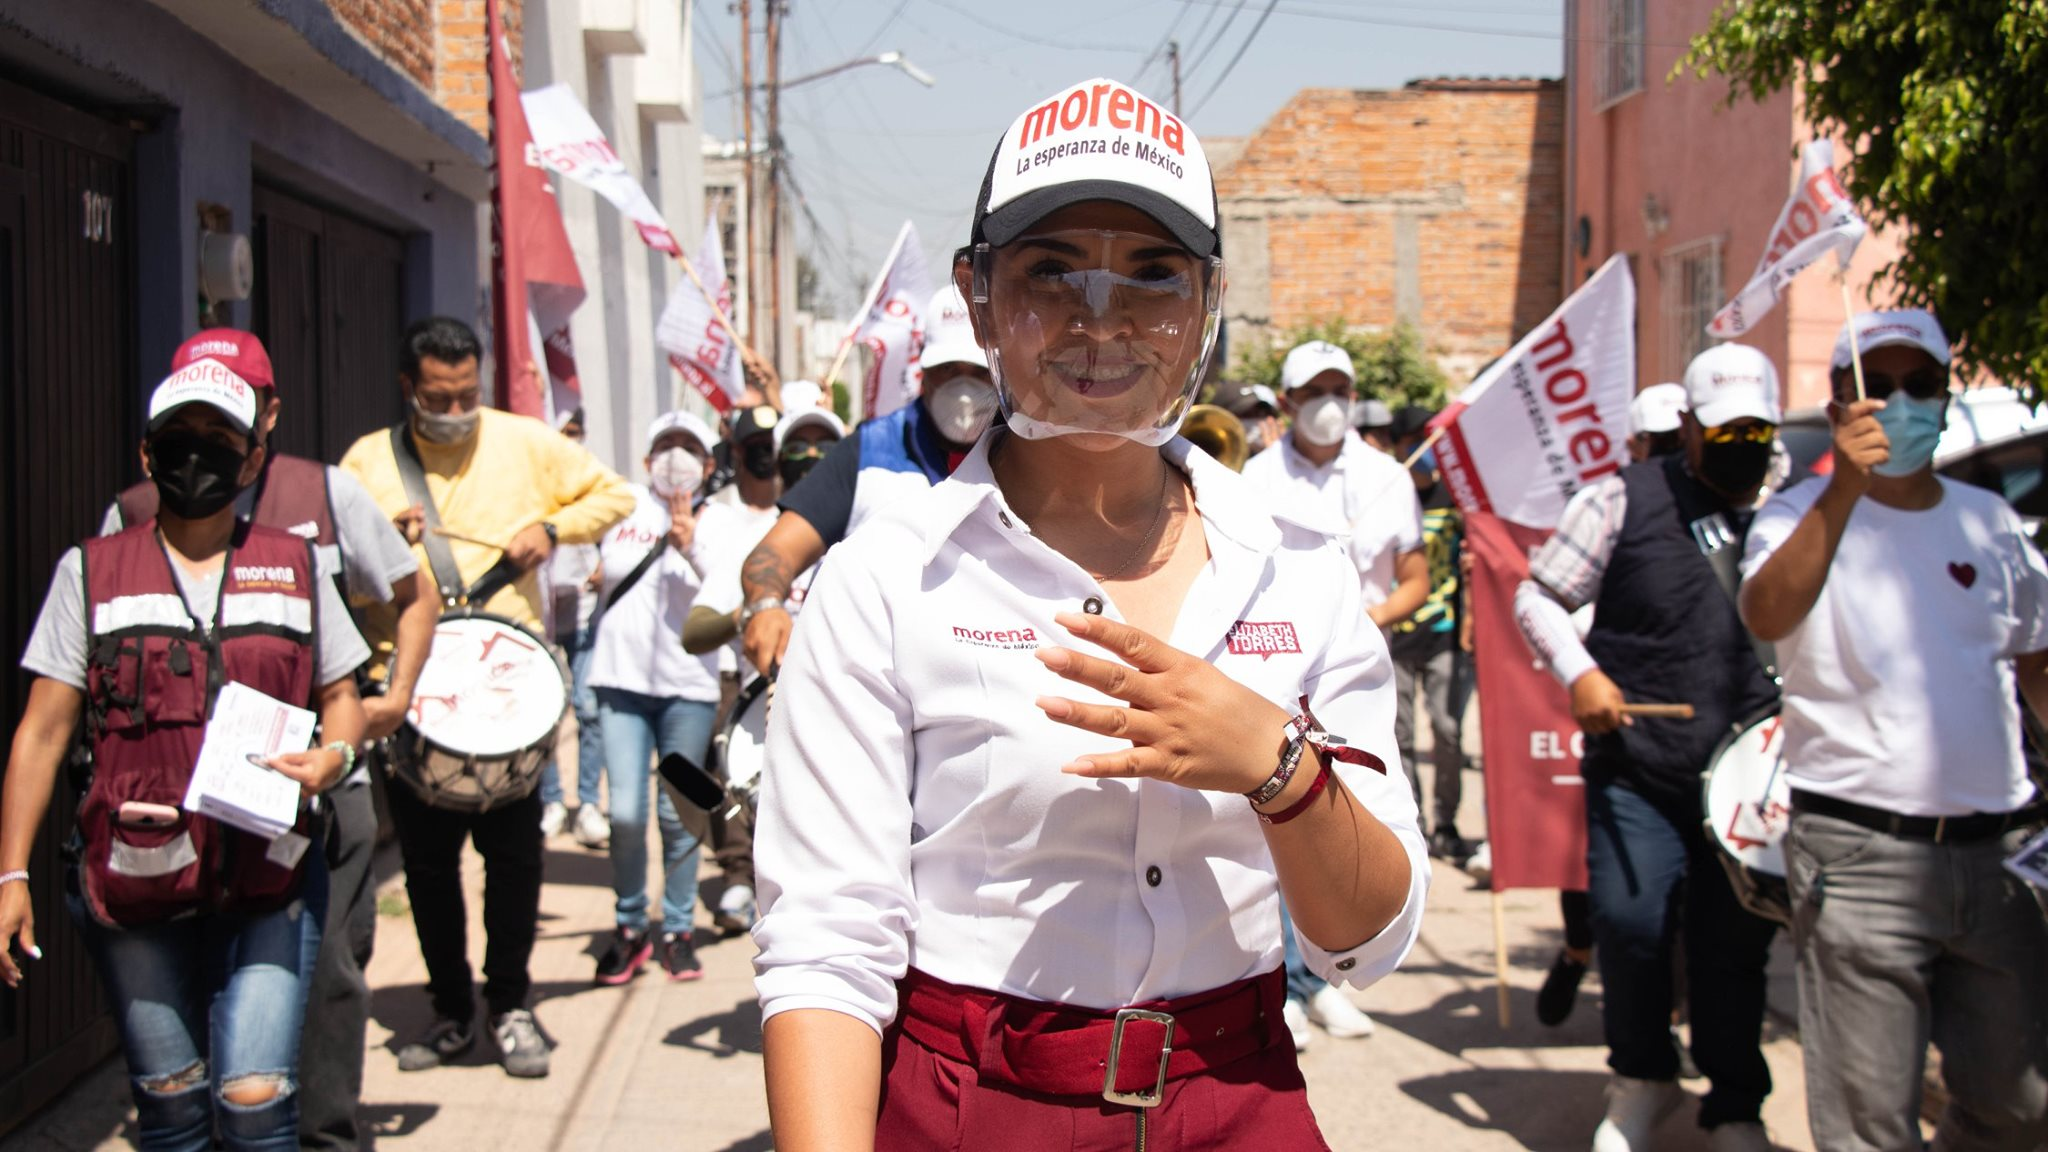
1096	332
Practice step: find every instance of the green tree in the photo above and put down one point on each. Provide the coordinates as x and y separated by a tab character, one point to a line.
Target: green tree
1392	365
1946	105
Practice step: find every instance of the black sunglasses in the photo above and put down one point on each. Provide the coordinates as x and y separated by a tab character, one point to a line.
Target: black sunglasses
1920	384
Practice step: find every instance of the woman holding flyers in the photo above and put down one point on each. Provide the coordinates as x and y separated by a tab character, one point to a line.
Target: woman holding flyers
205	934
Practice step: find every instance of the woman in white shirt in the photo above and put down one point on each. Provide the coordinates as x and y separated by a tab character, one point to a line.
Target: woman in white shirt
1004	874
652	697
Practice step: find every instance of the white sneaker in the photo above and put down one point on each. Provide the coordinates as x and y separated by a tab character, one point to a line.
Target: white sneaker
553	815
1634	1109
1739	1138
1337	1014
1297	1024
735	910
592	829
1479	866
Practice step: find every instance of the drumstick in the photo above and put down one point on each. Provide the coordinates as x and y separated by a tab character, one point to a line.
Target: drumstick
1661	711
445	533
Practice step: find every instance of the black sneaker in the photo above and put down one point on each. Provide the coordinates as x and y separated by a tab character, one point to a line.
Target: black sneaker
629	953
443	1041
679	957
521	1048
1446	844
1560	990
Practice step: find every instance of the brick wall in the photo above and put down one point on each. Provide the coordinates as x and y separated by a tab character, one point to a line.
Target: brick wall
1439	203
439	44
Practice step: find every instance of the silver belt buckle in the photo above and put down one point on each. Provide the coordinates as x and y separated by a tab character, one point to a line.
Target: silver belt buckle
1116	1048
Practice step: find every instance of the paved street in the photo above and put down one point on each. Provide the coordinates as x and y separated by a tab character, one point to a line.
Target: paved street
678	1066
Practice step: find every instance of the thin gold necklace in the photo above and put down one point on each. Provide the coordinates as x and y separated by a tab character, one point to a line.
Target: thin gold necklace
1158	518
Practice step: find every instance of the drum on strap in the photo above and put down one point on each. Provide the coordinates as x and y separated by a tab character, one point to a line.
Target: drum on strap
483	718
740	751
1748	802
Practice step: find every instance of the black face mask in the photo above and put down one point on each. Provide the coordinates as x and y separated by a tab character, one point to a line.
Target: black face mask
195	477
1734	470
758	458
796	468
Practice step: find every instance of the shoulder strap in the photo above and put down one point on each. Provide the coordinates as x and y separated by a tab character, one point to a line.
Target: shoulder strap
624	586
1723	550
414	476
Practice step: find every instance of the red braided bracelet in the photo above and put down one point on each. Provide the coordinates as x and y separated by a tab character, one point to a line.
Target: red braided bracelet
1315	789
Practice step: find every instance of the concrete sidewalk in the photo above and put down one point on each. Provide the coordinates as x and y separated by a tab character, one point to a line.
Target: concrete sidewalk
678	1066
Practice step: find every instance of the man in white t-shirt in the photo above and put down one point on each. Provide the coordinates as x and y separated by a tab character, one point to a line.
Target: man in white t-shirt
1909	611
1321	472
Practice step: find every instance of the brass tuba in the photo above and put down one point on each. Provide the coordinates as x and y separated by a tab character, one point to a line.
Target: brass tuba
1215	431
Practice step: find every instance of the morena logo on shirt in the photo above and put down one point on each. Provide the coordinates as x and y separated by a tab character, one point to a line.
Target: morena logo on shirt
1011	638
1264	640
276	575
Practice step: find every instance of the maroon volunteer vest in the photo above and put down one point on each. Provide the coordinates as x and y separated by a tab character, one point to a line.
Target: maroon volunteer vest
291	496
151	679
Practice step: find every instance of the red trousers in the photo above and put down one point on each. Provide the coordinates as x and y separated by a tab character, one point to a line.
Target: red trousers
973	1071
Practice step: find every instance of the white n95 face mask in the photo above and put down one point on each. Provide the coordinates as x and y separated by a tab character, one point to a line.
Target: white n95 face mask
674	471
961	407
1323	420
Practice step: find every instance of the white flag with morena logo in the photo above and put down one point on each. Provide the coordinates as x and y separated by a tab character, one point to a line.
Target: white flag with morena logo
890	325
698	345
1817	220
568	141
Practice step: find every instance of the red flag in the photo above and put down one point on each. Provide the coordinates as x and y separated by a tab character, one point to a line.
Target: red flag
533	270
1535	798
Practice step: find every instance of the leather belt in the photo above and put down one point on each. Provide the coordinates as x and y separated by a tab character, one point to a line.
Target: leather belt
1127	1056
1977	826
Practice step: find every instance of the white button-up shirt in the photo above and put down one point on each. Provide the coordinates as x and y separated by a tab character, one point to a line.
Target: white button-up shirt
1363	497
913	810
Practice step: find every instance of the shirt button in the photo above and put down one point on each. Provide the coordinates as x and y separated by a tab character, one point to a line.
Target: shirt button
1346	964
1004	517
1153	876
1092	605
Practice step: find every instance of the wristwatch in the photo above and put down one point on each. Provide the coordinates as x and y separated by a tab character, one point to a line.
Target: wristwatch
755	607
554	533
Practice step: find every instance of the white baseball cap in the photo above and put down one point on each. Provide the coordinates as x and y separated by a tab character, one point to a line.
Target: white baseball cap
949	334
1099	140
1310	360
688	422
1732	381
205	382
1656	409
796	418
801	394
1370	414
1913	327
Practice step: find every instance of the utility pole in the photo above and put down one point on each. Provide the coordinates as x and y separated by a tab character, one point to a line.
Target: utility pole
776	10
747	154
1173	54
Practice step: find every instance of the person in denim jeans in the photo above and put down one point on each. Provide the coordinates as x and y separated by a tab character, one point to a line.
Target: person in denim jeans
207	974
590	830
653	697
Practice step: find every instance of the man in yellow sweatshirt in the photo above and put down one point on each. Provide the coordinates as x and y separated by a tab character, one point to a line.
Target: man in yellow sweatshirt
515	482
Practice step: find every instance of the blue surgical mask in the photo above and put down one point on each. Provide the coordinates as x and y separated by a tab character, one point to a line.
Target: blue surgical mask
1914	428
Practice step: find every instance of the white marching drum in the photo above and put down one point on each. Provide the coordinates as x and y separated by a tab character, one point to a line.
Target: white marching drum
483	718
740	751
1749	808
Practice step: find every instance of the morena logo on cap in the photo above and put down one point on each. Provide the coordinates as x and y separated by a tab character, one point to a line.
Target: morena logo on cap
1102	130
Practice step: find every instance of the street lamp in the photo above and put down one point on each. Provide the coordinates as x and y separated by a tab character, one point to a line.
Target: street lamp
887	59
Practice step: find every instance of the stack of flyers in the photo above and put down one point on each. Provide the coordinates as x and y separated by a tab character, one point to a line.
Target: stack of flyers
230	783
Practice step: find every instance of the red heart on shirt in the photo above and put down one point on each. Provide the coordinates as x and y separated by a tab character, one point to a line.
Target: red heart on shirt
1965	574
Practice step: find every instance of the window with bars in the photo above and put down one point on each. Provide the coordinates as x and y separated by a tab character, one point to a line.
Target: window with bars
1620	64
1689	277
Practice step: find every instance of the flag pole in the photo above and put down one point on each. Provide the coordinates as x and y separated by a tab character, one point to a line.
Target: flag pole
1500	958
1849	319
1425	446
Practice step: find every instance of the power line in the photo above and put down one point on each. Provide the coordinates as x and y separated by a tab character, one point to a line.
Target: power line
883	27
1202	51
1241	50
1466	29
1165	38
1031	38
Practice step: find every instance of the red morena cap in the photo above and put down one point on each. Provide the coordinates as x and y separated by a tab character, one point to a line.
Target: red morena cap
241	351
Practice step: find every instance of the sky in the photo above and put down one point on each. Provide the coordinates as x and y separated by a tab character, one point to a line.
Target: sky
871	147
